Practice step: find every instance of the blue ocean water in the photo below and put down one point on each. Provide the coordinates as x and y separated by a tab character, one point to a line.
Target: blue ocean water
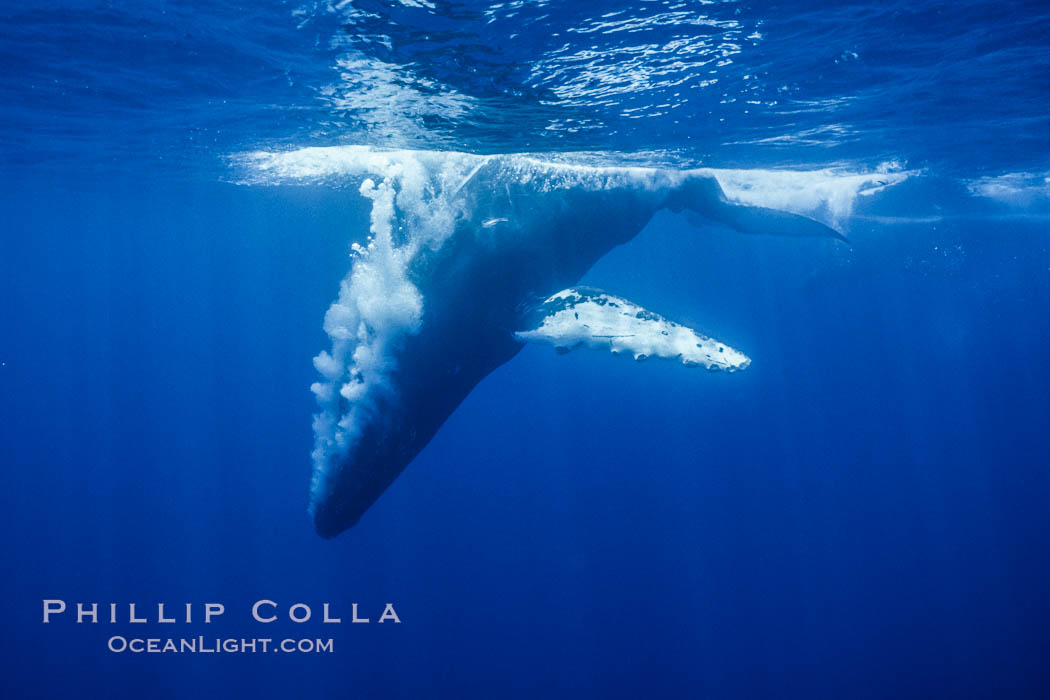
862	513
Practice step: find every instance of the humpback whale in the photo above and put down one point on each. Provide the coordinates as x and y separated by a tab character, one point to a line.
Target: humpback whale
470	257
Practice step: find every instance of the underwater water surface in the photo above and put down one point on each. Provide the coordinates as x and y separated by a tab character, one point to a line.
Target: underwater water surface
860	513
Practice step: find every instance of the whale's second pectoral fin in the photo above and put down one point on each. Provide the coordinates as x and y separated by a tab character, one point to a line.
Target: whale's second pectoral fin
703	201
773	222
592	318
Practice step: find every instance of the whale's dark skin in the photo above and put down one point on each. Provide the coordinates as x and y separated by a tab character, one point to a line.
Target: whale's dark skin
479	288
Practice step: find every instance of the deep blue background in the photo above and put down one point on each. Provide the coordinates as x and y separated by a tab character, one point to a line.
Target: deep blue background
863	513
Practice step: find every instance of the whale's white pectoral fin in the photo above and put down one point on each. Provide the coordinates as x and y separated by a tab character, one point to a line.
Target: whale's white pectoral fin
592	318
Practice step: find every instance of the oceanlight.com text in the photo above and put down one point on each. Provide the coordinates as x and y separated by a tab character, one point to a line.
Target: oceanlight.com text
217	645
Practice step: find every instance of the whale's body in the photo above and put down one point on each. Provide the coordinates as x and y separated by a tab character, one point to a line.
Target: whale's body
464	265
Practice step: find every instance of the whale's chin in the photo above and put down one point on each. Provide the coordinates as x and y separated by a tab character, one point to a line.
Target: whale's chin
356	483
332	518
355	480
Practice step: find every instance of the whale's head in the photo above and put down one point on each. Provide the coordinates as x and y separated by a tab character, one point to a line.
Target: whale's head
384	438
331	517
